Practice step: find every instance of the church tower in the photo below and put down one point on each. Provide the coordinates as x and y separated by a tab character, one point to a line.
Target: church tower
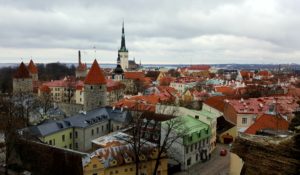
123	52
81	69
118	73
94	88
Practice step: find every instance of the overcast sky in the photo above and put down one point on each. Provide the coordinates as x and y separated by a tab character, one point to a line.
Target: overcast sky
157	31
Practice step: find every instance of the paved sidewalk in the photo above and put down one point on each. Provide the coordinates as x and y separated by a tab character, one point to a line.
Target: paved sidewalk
217	165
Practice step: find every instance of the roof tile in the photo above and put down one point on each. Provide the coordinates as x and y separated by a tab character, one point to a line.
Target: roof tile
95	75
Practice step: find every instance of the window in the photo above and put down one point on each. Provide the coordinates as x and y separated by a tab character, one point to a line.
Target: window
107	126
102	127
70	146
63	138
130	169
76	134
50	142
91	87
125	170
100	87
76	145
187	149
95	173
53	141
244	121
116	171
196	157
70	135
195	146
92	132
97	130
191	148
189	161
118	127
65	146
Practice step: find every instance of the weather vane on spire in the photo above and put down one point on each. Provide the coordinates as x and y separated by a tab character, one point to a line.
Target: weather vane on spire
94	47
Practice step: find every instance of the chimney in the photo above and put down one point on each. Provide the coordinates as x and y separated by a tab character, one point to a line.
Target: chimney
79	57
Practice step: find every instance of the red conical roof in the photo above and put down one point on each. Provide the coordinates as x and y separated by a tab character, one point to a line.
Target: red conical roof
95	75
32	68
22	72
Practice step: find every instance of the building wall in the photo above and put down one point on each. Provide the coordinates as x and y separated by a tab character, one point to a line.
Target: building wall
94	96
230	113
118	77
56	139
115	95
124	60
232	132
35	77
96	167
250	119
79	97
81	74
22	85
90	133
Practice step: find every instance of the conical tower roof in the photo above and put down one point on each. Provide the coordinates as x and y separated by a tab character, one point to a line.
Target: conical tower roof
22	72
32	68
95	75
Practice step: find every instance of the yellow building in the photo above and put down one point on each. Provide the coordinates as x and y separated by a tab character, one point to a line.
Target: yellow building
116	157
61	139
119	160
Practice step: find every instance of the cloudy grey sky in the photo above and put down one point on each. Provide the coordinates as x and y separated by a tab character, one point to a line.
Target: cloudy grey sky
157	31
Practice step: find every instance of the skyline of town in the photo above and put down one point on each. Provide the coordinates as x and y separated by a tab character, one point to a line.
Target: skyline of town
198	32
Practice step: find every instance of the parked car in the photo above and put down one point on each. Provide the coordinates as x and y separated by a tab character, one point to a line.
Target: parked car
223	152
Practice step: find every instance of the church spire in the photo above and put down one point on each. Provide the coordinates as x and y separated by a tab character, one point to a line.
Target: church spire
123	45
79	57
118	59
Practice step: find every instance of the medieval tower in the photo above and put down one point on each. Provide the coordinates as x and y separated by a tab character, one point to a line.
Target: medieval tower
33	71
22	81
123	52
94	88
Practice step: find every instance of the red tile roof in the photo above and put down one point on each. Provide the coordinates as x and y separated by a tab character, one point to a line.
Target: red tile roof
226	90
264	73
45	89
134	75
268	122
114	85
199	67
246	74
284	105
216	102
95	75
32	68
22	72
135	105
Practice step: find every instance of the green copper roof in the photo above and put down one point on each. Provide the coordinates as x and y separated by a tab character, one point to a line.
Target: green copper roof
196	130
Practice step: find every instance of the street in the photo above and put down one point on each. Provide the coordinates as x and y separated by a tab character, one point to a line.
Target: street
217	165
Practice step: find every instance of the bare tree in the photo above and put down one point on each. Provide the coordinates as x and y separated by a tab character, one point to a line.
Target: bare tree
172	130
167	128
11	121
43	103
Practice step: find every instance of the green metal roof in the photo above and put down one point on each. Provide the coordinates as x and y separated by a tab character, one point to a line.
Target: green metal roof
196	129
